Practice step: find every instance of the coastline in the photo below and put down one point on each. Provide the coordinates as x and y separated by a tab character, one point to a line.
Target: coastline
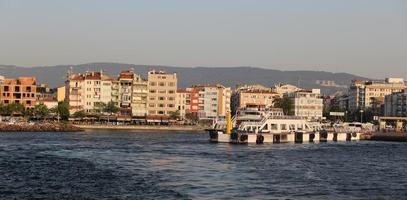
142	128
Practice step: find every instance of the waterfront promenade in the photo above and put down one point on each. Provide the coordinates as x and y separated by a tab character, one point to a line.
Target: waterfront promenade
143	127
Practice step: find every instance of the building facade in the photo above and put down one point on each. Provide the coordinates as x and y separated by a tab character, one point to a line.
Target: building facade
395	105
362	94
307	103
86	91
252	96
162	88
21	90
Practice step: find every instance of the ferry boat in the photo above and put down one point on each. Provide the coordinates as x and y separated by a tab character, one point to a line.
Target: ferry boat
275	128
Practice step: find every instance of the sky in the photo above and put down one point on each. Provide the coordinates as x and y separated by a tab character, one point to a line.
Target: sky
363	37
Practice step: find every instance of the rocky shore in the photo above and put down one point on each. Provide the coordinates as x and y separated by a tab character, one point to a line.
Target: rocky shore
38	127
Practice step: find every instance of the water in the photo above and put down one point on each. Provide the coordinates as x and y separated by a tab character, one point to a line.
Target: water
125	165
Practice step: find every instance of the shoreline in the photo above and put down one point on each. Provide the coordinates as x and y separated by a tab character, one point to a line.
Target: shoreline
142	128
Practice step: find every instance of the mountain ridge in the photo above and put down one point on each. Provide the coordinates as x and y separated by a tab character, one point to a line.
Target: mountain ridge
229	76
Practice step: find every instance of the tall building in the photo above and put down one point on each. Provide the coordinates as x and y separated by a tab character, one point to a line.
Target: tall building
21	90
162	88
395	105
252	96
307	103
85	91
213	101
362	94
183	100
132	94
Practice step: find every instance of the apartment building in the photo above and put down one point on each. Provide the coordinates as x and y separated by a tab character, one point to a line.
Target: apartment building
362	94
161	98
132	93
210	101
183	101
85	91
252	96
395	105
21	90
307	103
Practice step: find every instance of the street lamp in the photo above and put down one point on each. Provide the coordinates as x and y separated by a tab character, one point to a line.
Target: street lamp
361	116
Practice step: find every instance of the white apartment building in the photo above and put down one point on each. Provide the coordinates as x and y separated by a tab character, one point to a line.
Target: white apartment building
307	103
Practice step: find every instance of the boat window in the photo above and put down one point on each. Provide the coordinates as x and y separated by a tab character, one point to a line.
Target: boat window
283	127
299	126
292	127
273	126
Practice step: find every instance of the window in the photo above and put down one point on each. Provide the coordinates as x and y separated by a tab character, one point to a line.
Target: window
172	98
152	91
152	98
17	88
6	89
171	84
153	83
151	105
171	91
161	112
161	98
161	84
171	105
162	91
161	105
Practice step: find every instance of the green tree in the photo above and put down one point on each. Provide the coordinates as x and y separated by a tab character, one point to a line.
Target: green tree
14	108
191	117
283	103
79	114
175	115
99	107
61	110
41	111
110	108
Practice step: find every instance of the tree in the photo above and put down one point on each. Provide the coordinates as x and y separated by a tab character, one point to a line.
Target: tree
40	111
110	108
191	117
9	109
175	115
283	103
61	110
79	114
99	107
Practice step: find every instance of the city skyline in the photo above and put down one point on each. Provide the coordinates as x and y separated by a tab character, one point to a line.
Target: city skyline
365	38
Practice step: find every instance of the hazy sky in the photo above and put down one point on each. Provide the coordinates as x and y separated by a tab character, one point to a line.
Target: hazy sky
365	37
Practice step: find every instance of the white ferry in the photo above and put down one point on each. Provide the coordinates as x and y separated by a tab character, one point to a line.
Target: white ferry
274	128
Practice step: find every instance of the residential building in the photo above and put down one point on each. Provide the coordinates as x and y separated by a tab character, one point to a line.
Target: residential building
307	103
363	93
162	88
213	101
253	96
132	94
183	101
395	104
21	90
85	91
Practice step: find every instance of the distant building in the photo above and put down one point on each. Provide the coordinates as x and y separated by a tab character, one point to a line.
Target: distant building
21	90
162	88
362	94
213	100
307	103
285	88
395	104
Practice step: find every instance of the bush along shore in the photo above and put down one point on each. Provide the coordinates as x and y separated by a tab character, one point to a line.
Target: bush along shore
39	127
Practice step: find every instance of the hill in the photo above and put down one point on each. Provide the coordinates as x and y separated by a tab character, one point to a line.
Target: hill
229	76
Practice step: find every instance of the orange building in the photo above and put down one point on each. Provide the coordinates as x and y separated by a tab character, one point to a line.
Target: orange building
22	90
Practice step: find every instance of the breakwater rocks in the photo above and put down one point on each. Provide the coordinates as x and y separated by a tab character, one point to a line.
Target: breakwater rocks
38	127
